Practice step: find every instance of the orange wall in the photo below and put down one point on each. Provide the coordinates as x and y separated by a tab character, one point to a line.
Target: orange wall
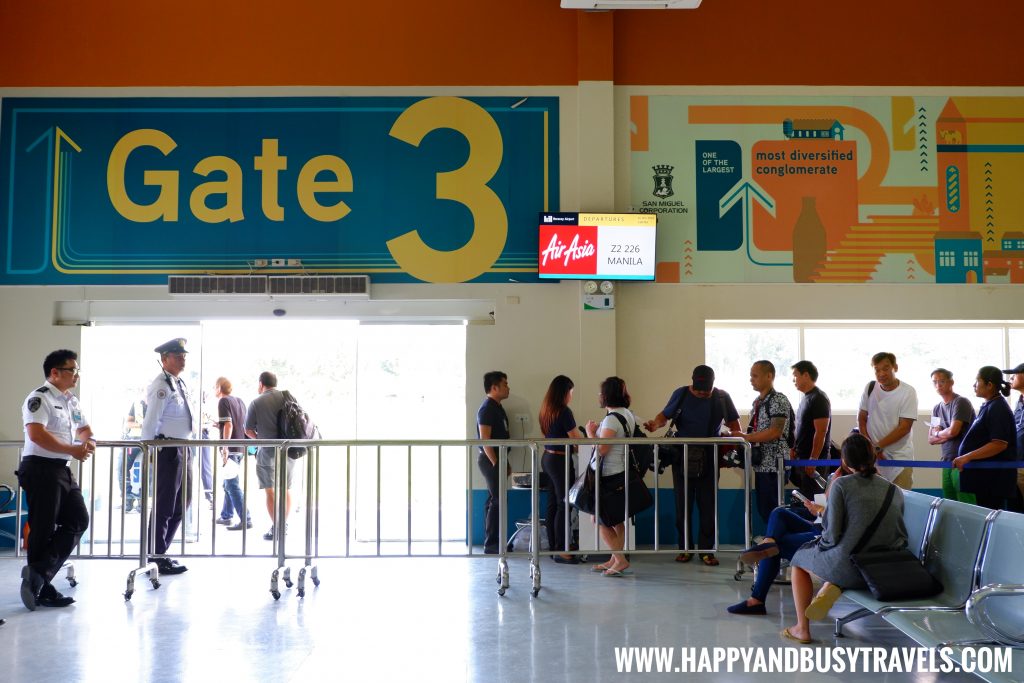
507	42
810	42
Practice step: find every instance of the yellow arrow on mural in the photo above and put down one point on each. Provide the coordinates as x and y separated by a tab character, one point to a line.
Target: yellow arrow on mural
56	213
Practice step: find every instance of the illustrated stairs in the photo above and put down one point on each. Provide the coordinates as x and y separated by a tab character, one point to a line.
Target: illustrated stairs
861	250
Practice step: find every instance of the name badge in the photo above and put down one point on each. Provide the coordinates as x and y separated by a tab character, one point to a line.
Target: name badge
76	416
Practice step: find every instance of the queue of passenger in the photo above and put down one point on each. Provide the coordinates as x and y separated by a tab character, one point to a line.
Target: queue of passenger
815	538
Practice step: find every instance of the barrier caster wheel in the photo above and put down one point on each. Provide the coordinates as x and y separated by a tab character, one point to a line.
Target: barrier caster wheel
316	582
535	591
127	596
289	583
301	593
276	594
72	582
156	584
737	576
501	591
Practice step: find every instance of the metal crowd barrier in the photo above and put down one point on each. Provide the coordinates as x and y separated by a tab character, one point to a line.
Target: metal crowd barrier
99	473
537	445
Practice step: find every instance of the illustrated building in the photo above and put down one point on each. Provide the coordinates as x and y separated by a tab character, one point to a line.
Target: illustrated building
958	257
800	129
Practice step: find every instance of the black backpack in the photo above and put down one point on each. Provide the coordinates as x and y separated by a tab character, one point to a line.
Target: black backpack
643	454
293	423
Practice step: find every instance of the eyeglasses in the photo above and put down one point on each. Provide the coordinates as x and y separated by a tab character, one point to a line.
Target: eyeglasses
73	371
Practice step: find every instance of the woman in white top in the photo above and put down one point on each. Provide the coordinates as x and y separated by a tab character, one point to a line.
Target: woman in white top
614	398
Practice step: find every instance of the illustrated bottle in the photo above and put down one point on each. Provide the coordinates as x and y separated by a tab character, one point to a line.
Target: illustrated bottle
809	242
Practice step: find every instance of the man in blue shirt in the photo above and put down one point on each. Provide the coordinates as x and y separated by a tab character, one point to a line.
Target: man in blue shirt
697	411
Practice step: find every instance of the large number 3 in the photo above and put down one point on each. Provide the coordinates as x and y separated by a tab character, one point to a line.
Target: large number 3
466	185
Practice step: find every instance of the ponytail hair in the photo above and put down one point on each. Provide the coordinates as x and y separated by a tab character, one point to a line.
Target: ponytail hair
994	375
859	455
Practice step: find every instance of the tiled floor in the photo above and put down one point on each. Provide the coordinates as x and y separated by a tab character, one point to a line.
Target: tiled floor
388	619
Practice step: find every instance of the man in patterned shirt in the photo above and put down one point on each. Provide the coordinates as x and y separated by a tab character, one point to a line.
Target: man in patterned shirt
769	429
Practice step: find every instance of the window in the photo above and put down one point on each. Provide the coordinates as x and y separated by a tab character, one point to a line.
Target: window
970	259
842	353
730	351
947	259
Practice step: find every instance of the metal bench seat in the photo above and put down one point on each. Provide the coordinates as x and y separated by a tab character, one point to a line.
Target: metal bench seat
994	613
950	544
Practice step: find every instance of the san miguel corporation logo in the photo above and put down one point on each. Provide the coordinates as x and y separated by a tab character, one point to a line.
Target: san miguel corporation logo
663	181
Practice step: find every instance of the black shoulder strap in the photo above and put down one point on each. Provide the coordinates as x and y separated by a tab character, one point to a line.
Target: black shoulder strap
871	387
625	427
869	532
622	420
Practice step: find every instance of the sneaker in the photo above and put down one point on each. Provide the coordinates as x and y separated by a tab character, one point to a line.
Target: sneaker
32	583
269	536
49	597
166	565
238	527
221	520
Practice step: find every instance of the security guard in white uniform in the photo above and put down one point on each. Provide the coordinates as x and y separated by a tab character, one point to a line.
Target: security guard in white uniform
169	416
55	432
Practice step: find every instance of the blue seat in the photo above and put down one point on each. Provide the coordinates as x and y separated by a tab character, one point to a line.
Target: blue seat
993	613
919	511
952	535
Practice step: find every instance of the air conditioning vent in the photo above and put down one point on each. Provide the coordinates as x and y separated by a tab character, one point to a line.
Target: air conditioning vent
630	4
355	286
217	285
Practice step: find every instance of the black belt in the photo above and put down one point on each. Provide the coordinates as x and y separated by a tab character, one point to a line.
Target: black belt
46	460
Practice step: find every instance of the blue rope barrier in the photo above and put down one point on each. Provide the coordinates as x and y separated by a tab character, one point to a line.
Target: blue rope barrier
933	464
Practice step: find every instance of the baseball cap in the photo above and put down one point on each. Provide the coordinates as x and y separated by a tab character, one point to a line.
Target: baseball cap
1019	370
703	378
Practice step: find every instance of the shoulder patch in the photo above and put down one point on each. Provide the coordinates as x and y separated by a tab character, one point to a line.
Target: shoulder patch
34	403
162	394
43	389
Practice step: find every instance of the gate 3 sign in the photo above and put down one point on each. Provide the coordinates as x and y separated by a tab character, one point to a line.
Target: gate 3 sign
121	191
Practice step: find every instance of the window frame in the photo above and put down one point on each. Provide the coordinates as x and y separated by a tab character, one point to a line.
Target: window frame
802	326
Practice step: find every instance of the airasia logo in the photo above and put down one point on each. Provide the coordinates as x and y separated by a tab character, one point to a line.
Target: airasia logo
571	249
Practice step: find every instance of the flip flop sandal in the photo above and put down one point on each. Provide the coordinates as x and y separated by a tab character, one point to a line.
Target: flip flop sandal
684	557
618	572
709	560
822	603
789	636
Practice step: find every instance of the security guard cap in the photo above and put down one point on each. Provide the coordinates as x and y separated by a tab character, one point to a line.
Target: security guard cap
172	346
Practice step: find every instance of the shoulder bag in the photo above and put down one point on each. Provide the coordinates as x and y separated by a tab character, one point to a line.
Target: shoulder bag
581	493
892	574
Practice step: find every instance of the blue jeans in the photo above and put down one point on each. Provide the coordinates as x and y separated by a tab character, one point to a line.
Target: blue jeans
790	531
766	493
234	501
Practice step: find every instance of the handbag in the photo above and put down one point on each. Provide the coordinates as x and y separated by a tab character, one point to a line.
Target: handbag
613	493
581	493
613	497
892	574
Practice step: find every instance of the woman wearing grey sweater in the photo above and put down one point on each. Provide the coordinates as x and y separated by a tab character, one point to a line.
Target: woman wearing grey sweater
853	503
